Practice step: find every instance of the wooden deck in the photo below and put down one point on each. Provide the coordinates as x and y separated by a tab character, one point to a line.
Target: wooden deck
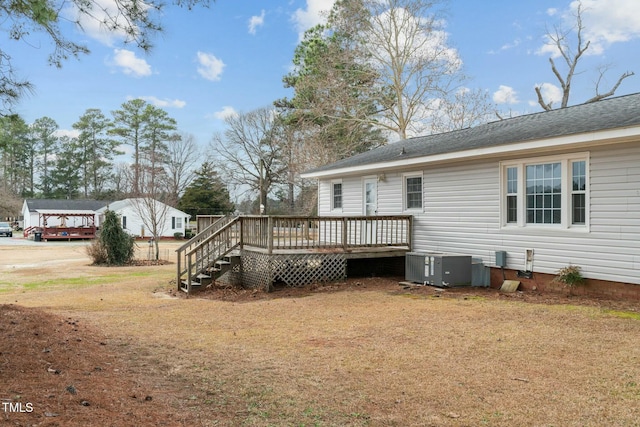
348	237
70	226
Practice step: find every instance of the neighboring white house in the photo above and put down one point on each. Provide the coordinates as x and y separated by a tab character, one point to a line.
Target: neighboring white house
563	183
136	216
73	212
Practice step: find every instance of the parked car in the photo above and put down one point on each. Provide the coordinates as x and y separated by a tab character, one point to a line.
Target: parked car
6	229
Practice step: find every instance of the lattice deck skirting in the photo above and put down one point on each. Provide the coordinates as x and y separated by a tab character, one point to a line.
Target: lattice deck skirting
233	277
260	270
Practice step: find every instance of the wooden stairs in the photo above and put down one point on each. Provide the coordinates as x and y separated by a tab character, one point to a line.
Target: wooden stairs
209	275
209	255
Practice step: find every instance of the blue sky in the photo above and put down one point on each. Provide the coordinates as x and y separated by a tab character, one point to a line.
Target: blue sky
232	56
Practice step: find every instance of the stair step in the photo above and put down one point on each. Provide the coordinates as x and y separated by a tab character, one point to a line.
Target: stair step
185	285
203	276
222	262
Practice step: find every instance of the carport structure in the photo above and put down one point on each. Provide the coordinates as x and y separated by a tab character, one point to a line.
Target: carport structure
60	219
69	226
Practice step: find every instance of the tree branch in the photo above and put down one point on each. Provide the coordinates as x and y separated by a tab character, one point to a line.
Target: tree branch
598	97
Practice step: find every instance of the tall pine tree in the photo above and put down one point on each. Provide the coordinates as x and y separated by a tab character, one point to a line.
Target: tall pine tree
207	194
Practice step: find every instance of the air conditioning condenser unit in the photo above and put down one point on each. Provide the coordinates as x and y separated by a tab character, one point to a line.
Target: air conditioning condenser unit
438	269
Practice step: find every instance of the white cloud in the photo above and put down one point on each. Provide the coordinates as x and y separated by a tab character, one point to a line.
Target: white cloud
130	64
548	48
93	23
210	67
71	133
315	13
550	93
511	45
505	95
255	22
552	11
604	22
163	103
226	111
610	21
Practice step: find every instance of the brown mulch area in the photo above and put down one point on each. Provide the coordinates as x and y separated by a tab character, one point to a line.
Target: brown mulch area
394	286
55	371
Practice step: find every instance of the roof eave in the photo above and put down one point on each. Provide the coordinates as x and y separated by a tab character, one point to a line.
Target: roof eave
582	140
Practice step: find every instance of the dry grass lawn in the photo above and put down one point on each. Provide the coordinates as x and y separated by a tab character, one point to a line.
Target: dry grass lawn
374	354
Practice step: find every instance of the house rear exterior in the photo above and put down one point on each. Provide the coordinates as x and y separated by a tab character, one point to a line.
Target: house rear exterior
564	184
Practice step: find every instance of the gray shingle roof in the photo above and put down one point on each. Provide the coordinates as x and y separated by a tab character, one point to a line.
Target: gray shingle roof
65	205
606	114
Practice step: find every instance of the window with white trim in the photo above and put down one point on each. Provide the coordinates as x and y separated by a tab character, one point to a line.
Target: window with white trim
413	192
579	192
512	195
336	195
549	191
544	193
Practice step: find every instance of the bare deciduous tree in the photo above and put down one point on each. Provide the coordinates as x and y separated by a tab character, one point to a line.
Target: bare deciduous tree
153	214
182	158
463	109
571	52
407	46
249	151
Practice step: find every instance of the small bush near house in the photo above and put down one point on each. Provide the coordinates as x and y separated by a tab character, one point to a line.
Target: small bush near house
177	236
114	246
97	252
570	276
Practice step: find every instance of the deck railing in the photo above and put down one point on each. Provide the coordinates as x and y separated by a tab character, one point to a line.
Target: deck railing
290	232
347	232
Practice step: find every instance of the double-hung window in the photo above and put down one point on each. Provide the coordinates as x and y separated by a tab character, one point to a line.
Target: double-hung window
512	195
579	192
413	191
546	192
336	195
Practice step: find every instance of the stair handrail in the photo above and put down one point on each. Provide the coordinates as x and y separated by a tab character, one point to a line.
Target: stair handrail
210	250
184	251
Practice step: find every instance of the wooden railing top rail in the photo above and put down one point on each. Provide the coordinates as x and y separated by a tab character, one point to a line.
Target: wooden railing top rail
329	217
211	236
204	233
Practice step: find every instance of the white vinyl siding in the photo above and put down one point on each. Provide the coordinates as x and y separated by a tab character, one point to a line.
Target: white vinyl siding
465	214
351	197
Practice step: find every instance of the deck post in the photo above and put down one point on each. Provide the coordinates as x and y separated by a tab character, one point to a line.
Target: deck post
189	273
345	224
178	278
270	234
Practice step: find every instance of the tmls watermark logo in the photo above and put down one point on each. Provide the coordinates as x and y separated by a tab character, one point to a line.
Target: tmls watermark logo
17	407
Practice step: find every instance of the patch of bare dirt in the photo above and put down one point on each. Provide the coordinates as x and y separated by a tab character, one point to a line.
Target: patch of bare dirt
55	371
